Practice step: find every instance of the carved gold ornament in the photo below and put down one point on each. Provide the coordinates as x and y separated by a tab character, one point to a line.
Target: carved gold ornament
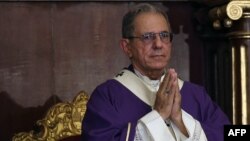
232	11
61	121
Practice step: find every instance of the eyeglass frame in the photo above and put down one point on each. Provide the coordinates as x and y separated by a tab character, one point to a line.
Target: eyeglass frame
152	36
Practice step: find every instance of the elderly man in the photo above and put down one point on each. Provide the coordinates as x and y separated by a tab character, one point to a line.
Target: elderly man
147	101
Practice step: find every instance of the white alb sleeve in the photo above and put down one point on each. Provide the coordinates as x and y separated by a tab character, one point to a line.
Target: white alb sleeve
194	129
152	127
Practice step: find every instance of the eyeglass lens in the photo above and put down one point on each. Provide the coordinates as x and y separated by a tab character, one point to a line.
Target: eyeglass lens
150	37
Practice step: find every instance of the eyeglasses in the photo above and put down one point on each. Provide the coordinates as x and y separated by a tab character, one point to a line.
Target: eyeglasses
149	37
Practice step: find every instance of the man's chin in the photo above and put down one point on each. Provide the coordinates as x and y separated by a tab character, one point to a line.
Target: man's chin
158	67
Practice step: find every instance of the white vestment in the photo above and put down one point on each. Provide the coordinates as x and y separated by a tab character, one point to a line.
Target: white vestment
152	127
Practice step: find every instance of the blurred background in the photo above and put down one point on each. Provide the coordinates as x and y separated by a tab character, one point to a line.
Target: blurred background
49	51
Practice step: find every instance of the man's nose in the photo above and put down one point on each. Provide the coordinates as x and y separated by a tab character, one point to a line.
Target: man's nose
158	42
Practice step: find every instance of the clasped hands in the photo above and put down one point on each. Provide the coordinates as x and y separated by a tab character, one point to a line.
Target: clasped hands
168	100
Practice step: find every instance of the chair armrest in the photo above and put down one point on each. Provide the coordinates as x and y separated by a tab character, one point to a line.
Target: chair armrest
61	121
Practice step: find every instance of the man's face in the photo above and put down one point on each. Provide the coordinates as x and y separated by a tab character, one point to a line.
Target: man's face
154	55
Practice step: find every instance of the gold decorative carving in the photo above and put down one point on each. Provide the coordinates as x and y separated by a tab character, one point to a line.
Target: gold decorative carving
234	10
227	22
217	24
239	90
243	78
61	121
239	35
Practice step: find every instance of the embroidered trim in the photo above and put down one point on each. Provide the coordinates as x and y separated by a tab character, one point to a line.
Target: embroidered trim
128	131
197	131
138	136
138	86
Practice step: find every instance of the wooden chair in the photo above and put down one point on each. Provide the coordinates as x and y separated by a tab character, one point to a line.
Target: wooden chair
62	121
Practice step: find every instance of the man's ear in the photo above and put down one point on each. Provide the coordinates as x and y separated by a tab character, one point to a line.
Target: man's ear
126	47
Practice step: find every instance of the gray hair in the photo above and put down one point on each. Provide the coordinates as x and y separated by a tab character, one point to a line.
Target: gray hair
128	19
